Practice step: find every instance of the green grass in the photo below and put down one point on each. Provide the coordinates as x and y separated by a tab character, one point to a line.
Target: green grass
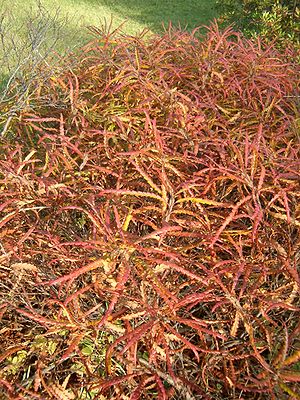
71	18
153	13
140	13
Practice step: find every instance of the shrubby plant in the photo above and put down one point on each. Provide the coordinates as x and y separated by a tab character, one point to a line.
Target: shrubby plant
29	54
149	216
277	20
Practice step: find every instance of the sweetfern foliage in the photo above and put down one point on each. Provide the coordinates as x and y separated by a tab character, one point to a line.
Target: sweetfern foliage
150	223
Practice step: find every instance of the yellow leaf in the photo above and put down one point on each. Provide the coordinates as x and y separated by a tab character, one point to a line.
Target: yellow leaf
202	201
127	221
292	359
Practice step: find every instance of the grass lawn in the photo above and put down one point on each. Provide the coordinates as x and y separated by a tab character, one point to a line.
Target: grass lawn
79	14
139	13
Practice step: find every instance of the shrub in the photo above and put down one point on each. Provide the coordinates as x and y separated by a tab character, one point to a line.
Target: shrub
274	20
31	51
150	224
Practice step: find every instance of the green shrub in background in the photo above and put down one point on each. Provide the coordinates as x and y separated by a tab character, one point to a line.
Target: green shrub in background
274	20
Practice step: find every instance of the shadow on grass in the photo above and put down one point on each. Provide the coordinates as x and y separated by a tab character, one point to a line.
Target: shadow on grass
154	14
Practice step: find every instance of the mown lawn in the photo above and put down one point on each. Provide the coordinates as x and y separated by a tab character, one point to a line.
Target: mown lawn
76	15
139	13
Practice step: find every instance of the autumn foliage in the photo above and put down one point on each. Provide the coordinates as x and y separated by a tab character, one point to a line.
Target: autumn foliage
150	220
